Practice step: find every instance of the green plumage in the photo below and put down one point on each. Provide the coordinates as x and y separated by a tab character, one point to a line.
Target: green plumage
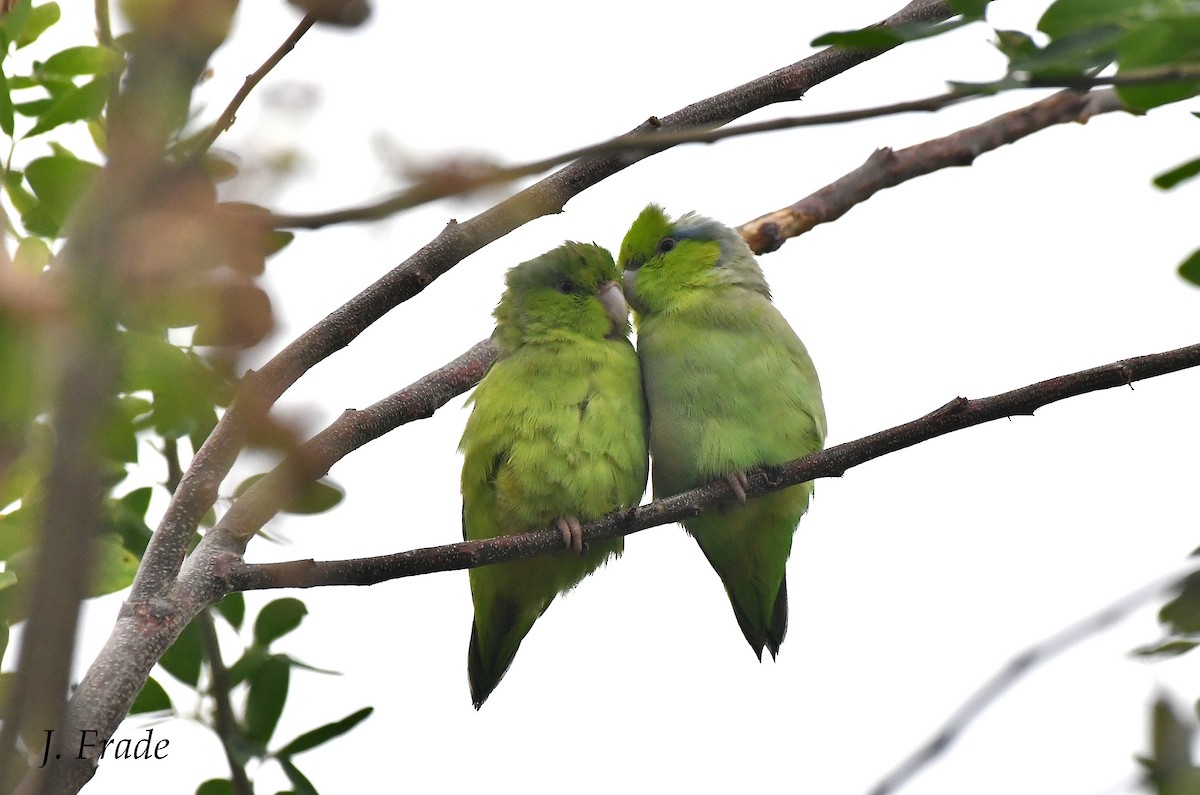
558	431
729	387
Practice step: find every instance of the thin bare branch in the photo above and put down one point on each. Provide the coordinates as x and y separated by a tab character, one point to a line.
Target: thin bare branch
486	176
229	115
198	489
833	462
886	168
353	429
1020	666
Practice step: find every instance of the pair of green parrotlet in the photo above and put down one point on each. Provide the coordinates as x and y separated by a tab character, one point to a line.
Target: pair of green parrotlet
561	423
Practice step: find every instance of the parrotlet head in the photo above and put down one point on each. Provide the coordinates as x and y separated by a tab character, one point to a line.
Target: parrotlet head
667	262
570	291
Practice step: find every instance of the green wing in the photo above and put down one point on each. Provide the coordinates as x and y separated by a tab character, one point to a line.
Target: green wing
556	431
730	387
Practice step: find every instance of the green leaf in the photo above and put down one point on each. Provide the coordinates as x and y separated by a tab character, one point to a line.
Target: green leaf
182	660
34	107
7	681
118	438
277	619
318	736
1171	764
128	519
972	9
216	786
17	532
22	199
152	698
219	167
12	23
247	665
233	608
1073	55
276	241
1162	43
1069	16
292	661
300	784
59	181
83	102
99	134
876	38
84	60
1189	269
1170	647
315	497
114	565
265	699
6	106
40	19
32	256
864	39
184	386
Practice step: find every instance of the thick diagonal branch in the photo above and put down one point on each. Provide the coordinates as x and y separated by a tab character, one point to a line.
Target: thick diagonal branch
260	390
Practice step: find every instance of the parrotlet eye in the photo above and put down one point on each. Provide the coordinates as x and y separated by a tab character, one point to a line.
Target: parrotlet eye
564	285
666	244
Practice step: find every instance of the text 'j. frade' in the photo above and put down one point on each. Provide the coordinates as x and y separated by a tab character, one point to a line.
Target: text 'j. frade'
125	748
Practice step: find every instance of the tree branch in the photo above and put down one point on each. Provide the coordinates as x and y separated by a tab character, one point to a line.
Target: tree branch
259	390
353	429
457	181
223	718
886	168
1020	666
832	462
229	115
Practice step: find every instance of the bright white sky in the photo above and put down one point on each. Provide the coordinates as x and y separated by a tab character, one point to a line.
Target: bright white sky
913	578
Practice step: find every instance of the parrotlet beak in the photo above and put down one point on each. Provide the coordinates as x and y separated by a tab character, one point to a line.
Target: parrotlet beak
614	305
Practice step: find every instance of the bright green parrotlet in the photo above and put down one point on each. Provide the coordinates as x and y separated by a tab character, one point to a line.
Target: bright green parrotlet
557	437
729	387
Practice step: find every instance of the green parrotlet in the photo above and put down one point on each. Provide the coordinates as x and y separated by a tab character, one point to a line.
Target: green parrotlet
557	437
729	387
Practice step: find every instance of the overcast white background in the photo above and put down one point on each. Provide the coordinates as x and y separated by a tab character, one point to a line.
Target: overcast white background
912	579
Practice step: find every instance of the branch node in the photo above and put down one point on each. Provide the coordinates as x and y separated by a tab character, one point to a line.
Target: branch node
953	407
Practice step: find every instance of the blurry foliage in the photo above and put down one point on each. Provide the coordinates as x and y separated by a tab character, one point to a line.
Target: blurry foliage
1155	41
189	300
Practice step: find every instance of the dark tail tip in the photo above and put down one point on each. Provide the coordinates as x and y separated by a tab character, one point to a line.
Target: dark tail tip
770	637
482	684
779	621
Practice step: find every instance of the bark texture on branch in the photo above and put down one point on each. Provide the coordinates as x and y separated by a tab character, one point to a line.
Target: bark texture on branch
832	462
886	168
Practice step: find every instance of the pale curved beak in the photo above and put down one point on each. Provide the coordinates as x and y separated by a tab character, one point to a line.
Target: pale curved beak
614	305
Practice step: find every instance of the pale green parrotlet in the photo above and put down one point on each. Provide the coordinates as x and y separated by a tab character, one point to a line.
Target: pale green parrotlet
557	437
729	387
